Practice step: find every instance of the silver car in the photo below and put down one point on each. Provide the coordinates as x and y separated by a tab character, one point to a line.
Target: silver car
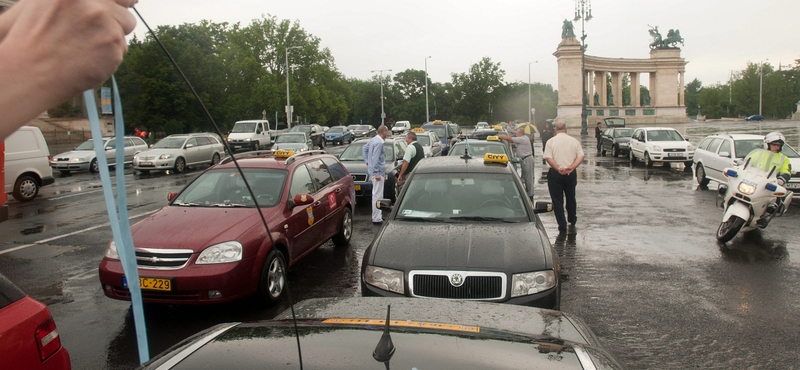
176	152
430	143
83	157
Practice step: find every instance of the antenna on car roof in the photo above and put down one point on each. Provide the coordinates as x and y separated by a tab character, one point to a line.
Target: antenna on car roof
385	348
235	163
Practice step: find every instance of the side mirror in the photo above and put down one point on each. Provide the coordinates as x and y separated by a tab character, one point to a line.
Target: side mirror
385	205
171	196
725	154
151	145
543	207
302	199
189	146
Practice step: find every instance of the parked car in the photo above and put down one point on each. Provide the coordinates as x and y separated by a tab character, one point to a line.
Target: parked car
83	157
479	148
338	135
28	336
401	127
614	121
352	333
483	130
297	141
364	131
209	244
660	144
353	160
27	163
176	152
755	118
249	135
429	141
445	130
314	132
616	140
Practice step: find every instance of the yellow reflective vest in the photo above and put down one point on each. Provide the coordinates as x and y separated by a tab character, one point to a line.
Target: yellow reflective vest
765	160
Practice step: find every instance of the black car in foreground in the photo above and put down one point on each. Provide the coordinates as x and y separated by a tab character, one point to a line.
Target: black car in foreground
464	229
351	333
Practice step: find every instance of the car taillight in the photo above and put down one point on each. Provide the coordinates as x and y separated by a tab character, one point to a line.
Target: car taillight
47	338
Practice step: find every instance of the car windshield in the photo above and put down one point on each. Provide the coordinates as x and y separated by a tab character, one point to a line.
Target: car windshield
788	151
306	129
744	147
364	127
664	135
353	127
478	148
244	127
354	152
463	198
424	140
291	138
86	145
400	124
170	143
225	188
438	130
624	132
336	129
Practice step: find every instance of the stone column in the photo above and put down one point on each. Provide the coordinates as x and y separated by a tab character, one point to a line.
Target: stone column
682	91
635	95
616	88
590	88
653	90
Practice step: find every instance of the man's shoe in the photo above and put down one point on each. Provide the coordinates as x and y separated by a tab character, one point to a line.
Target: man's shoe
377	222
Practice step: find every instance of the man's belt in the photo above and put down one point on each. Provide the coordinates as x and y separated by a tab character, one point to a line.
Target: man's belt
525	157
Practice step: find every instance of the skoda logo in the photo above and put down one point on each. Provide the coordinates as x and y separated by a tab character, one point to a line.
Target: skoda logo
353	176
456	280
154	259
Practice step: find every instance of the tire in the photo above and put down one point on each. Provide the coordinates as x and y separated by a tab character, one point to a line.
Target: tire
180	165
25	188
215	159
272	282
647	161
346	231
256	147
700	172
64	173
93	166
727	230
688	164
615	151
602	150
631	156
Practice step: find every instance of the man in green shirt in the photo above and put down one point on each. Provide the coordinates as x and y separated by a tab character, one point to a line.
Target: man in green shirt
414	153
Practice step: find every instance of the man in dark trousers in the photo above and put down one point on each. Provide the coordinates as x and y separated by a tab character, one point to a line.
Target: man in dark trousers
564	154
598	134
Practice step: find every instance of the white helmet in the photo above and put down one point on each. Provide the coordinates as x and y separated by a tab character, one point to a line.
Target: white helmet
773	137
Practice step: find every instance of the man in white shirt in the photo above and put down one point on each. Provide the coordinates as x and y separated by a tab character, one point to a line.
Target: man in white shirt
564	154
375	156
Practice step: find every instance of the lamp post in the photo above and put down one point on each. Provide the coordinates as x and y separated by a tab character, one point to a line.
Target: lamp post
288	101
529	91
583	12
383	114
730	93
760	84
427	110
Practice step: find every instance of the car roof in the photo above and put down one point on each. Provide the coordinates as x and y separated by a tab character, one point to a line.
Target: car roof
457	164
738	136
266	159
656	128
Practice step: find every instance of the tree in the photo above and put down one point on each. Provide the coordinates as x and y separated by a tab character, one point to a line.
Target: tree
473	90
692	91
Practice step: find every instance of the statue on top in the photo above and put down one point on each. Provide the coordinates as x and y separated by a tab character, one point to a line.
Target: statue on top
567	29
673	38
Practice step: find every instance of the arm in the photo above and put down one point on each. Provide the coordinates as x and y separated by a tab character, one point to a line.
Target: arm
504	137
402	171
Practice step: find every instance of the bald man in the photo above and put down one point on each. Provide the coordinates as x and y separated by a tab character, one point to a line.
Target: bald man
564	154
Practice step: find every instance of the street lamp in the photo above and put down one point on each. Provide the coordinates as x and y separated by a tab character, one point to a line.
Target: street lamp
383	114
760	84
427	110
583	12
288	102
529	92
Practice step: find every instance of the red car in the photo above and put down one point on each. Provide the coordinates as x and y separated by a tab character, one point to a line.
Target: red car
209	244
28	335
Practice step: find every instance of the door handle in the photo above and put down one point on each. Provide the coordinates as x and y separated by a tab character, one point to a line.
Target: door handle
338	190
317	203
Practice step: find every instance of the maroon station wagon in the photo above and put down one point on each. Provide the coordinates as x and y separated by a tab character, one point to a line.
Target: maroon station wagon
209	244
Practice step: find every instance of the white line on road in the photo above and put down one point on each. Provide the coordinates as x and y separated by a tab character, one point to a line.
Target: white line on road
70	234
76	194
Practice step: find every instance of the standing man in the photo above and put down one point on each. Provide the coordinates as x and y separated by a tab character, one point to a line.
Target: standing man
414	153
525	153
598	134
375	156
564	154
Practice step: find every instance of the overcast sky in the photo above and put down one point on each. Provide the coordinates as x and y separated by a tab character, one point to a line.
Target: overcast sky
366	35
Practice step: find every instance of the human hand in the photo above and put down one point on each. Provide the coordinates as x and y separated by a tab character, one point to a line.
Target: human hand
378	177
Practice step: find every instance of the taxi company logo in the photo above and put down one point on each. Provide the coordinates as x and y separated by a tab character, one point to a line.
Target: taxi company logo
456	280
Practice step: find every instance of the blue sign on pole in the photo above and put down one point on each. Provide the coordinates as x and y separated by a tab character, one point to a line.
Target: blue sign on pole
105	100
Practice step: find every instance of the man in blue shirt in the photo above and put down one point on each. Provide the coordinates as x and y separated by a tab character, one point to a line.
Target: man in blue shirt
375	156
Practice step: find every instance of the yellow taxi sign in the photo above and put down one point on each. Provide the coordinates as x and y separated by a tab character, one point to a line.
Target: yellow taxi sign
280	153
492	138
495	158
418	129
438	122
403	323
498	128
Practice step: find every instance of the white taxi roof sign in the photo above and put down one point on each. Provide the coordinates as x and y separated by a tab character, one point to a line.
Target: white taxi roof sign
492	138
418	129
495	158
280	153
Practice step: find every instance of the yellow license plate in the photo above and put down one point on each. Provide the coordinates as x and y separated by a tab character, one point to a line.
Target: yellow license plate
358	187
155	284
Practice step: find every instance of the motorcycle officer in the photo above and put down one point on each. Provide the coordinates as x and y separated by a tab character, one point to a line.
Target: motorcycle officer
765	159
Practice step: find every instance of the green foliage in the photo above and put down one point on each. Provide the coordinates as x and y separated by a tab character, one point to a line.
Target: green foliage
474	90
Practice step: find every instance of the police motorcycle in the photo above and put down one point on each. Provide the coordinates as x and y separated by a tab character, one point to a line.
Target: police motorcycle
750	200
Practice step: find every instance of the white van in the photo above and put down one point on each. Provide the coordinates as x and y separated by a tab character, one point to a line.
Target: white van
401	127
27	164
253	135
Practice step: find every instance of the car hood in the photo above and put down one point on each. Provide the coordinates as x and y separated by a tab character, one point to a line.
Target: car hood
622	139
82	154
670	144
409	245
333	134
158	152
199	227
289	146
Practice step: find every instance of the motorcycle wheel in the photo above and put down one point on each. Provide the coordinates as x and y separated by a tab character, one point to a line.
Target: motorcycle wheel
727	230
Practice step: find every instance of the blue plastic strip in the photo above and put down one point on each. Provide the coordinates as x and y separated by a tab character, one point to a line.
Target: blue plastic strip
120	226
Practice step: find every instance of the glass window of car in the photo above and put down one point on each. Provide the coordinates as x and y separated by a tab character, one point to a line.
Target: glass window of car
128	142
725	147
478	148
787	150
111	144
138	141
336	168
704	144
609	132
170	143
301	182
435	137
714	146
191	141
664	135
623	132
424	140
336	129
225	187
400	124
401	149
319	172
744	147
437	129
355	152
291	138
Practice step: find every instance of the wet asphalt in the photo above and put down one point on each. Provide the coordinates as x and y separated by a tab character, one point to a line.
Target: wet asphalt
642	267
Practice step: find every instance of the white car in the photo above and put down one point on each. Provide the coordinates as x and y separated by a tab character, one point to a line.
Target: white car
660	144
26	167
401	127
297	141
176	152
83	157
430	143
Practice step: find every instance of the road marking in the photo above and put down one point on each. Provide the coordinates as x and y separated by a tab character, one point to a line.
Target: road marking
69	234
75	194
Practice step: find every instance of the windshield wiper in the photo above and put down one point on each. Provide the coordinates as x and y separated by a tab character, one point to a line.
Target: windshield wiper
482	218
228	205
422	219
182	204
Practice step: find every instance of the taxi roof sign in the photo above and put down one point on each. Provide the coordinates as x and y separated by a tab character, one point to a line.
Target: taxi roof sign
280	153
495	158
498	128
418	129
438	122
492	138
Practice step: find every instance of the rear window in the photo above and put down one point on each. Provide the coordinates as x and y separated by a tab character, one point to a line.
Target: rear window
744	147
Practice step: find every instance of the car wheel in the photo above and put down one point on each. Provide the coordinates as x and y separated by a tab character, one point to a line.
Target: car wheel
700	172
647	161
346	230
26	188
256	147
64	173
215	159
615	151
180	165
93	166
688	164
272	283
602	149
727	230
631	156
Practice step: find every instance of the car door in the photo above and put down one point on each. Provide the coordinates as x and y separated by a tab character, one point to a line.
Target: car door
715	164
130	149
637	144
303	226
191	151
607	138
329	194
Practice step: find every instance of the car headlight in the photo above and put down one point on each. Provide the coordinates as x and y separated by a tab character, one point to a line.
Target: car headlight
247	139
532	282
657	148
386	279
221	253
690	147
111	251
624	144
229	140
165	156
74	159
746	188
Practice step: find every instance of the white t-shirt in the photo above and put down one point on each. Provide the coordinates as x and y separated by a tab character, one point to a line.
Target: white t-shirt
563	149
